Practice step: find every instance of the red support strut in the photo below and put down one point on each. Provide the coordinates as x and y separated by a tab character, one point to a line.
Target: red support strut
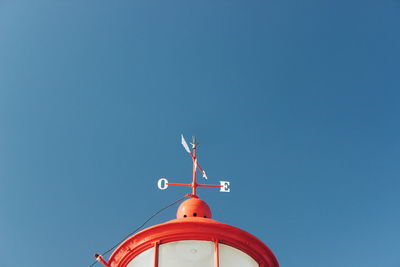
100	259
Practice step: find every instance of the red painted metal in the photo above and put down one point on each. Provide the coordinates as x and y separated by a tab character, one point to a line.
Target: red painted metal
209	185
156	254
216	253
193	228
194	207
197	185
194	183
179	184
193	223
196	166
100	259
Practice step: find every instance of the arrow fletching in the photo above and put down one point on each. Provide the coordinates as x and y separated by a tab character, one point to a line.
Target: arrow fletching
185	145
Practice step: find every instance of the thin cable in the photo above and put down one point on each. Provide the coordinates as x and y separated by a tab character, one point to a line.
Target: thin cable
140	227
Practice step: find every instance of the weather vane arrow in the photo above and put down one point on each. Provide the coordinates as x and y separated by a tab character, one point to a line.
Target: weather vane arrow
193	155
163	182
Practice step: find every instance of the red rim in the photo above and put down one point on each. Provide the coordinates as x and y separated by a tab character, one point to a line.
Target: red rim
193	229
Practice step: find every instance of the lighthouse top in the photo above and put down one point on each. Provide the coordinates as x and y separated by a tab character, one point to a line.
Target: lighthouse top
193	238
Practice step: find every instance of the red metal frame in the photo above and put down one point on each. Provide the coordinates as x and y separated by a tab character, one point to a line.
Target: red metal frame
192	229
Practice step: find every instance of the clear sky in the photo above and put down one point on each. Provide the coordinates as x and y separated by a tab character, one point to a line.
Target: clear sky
296	103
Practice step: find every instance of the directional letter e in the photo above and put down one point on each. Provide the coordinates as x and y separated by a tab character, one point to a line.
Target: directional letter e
224	186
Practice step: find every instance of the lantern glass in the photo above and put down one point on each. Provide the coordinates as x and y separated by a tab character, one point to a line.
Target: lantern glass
193	253
144	259
232	257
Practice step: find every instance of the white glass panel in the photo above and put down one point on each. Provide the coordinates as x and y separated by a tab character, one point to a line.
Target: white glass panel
186	253
144	259
232	257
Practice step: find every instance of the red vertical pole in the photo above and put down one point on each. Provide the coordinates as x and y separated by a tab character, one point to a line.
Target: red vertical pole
194	183
156	254
216	253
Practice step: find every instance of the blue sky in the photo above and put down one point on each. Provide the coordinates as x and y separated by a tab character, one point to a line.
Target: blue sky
295	102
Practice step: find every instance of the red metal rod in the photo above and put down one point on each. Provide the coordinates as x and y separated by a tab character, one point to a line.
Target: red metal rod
194	183
216	253
209	185
100	259
178	184
198	165
156	254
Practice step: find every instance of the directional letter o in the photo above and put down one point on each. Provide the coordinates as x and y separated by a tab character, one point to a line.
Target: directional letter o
162	184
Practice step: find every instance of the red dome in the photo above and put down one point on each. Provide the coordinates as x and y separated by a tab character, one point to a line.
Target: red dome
194	207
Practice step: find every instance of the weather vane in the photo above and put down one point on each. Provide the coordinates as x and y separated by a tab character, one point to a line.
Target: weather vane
163	182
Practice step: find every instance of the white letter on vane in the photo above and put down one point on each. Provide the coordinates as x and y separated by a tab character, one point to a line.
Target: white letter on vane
224	186
162	183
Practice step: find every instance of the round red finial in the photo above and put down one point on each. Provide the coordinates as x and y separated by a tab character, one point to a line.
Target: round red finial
194	207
